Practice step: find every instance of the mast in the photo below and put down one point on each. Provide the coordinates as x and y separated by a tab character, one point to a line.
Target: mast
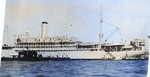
100	35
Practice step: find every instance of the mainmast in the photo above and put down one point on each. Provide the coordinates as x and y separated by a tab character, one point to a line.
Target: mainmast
100	35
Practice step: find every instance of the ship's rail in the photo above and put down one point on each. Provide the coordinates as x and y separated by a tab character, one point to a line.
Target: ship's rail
56	49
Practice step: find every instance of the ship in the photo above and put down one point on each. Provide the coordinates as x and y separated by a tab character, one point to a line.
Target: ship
43	48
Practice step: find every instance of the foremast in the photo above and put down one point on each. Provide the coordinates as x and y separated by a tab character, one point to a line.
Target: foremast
100	35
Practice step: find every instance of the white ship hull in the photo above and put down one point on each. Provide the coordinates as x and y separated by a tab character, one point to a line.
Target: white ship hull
81	54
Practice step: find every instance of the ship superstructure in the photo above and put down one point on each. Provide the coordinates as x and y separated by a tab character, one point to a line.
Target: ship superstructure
57	43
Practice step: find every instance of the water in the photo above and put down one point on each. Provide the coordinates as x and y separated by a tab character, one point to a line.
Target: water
75	68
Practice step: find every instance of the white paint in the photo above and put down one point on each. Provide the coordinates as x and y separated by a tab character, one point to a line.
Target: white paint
2	14
43	30
81	54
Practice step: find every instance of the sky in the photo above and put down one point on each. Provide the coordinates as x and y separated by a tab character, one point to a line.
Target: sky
78	18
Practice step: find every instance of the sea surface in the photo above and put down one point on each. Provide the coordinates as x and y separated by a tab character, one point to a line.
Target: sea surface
75	68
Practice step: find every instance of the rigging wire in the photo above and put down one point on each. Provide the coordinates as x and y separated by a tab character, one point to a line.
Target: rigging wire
110	24
112	31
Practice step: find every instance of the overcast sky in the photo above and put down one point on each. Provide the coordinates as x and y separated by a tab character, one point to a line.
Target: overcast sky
79	18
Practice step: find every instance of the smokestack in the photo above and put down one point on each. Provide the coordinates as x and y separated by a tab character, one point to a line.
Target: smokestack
43	29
